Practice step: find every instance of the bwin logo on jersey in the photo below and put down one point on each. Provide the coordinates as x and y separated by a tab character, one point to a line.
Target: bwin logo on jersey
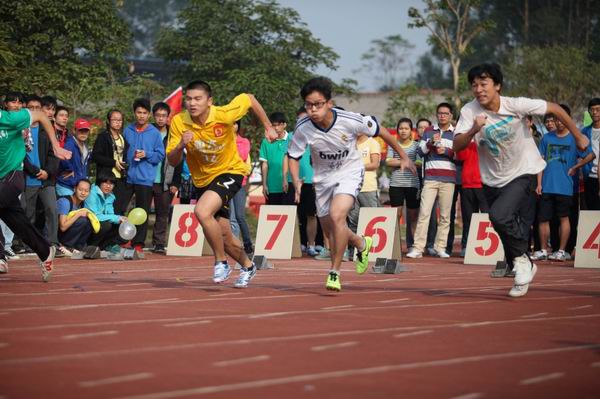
335	156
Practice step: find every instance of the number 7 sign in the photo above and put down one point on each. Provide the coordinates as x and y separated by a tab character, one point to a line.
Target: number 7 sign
484	246
588	240
277	234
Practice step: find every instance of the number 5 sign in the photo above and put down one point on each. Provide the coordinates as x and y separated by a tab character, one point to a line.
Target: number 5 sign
484	246
277	234
185	236
382	225
588	240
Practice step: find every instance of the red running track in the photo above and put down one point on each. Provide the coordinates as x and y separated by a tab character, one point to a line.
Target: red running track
159	328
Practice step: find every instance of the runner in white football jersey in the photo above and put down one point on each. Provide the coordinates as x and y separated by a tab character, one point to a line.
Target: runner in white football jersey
338	168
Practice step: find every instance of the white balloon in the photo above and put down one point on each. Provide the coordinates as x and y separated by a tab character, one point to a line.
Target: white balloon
127	231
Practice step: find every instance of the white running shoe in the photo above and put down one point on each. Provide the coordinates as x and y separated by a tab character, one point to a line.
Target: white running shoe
524	270
442	254
518	290
559	255
221	272
245	276
540	255
414	254
63	251
3	266
47	266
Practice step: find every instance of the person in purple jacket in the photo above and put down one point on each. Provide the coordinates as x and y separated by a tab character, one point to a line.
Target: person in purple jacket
145	153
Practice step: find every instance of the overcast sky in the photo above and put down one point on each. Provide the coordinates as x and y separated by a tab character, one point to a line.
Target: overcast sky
349	26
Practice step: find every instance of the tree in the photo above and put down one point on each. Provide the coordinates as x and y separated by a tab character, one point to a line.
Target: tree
386	57
561	74
256	47
430	73
453	24
409	102
54	44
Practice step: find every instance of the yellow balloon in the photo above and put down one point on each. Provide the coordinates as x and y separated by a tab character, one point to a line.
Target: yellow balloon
137	216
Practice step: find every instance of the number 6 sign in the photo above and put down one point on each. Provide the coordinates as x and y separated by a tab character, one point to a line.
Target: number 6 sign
277	234
185	235
588	240
484	246
382	225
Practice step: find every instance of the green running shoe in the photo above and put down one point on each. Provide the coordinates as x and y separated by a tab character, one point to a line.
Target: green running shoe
333	282
362	257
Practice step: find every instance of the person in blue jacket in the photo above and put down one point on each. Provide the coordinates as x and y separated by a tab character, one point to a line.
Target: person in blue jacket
146	151
71	171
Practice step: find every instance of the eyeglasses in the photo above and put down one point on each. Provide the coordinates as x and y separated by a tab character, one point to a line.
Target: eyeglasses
318	105
595	110
444	113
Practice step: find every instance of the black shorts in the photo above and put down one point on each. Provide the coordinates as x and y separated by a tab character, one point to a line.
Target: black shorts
554	205
307	205
226	186
399	194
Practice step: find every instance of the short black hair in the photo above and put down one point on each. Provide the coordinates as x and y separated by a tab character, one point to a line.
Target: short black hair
104	177
300	111
142	103
486	70
85	180
13	96
593	102
445	105
320	84
566	108
161	105
404	120
424	120
199	85
548	116
33	97
61	108
277	117
49	101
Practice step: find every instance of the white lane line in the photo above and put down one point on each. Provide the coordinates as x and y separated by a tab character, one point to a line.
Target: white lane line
385	279
62	289
581	307
321	348
595	364
165	300
474	395
263	315
3	344
4	313
130	285
115	380
225	363
564	281
188	323
354	372
227	294
541	378
337	307
534	315
394	300
89	335
410	334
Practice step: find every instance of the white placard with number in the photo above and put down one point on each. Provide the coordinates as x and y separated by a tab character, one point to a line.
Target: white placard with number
382	225
186	237
588	240
484	246
277	233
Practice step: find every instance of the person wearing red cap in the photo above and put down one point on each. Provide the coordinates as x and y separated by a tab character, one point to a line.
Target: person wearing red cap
75	169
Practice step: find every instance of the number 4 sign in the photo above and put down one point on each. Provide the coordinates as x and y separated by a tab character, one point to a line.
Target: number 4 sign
382	225
588	240
484	246
185	236
277	234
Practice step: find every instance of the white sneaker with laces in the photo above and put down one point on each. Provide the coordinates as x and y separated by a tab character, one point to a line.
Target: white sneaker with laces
221	272
47	266
559	255
518	290
414	254
442	254
245	276
540	255
10	254
524	270
3	266
63	251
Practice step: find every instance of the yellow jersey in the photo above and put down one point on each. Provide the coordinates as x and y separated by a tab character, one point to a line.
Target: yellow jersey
213	150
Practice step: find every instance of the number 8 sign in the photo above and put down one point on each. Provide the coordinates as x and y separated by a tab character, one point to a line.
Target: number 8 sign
185	235
277	233
484	246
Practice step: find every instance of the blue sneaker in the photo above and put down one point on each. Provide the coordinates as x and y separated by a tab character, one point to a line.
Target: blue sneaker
222	272
245	276
311	251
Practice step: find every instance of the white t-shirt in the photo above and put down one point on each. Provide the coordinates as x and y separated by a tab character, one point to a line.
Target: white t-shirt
595	140
333	151
505	146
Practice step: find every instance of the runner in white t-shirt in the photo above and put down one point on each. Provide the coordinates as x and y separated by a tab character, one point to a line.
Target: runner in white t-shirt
508	158
338	169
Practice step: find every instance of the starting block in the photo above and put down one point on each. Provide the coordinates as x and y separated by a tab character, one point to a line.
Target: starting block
502	270
262	262
388	266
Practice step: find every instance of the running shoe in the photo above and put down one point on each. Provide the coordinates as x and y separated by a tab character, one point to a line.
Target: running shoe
324	255
245	276
524	270
3	266
540	255
47	265
442	254
61	250
559	255
10	254
221	272
414	254
333	282
362	257
312	251
518	290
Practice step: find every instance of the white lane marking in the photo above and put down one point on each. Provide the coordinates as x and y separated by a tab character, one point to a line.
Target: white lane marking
227	294
225	363
321	348
165	300
595	364
89	335
385	279
581	307
394	300
410	334
541	378
263	315
3	344
337	307
534	315
62	289
354	372
4	313
188	323
474	395
115	380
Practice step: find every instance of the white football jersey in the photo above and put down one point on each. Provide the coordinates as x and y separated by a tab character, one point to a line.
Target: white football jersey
333	151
